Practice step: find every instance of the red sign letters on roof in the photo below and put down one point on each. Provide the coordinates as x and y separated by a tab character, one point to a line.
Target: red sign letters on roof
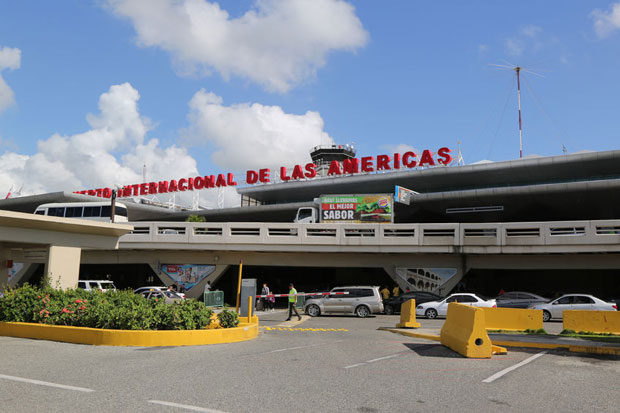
366	164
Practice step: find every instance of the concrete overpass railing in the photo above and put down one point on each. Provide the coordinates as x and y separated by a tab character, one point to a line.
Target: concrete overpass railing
512	237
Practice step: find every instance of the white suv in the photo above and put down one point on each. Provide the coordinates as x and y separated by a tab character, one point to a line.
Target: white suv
359	300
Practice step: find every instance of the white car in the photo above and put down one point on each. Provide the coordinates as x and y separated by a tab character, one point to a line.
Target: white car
434	309
555	308
156	288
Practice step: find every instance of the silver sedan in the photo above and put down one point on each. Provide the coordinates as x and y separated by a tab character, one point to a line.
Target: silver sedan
555	308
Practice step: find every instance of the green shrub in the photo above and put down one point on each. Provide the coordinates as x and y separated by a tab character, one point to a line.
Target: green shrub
122	310
228	319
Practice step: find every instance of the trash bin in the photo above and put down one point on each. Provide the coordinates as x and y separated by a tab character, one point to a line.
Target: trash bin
214	298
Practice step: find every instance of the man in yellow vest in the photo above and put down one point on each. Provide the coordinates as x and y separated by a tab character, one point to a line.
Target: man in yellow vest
385	293
292	302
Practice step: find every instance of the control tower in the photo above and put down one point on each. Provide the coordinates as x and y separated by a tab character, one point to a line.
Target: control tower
323	155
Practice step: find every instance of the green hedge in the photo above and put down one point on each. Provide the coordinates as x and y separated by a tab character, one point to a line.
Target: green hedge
122	310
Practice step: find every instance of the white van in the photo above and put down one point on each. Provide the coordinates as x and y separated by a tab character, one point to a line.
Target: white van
95	211
101	285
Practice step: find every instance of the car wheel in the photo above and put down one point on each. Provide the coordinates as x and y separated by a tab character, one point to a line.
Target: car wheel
362	311
431	313
313	310
388	309
546	315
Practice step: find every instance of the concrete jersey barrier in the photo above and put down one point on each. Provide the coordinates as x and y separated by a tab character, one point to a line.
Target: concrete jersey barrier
513	319
407	315
592	321
464	331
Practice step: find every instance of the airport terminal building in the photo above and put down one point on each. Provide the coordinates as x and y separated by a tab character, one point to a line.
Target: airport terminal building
574	187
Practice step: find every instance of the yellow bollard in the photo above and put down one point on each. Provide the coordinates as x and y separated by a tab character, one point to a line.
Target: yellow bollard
250	309
407	315
239	287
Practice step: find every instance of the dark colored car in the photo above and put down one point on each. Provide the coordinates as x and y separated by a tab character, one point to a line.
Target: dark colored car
519	299
392	304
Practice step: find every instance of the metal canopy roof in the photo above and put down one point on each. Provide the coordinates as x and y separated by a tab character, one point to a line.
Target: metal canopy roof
530	171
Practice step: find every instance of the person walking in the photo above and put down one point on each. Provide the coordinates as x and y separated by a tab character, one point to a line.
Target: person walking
265	300
292	302
396	291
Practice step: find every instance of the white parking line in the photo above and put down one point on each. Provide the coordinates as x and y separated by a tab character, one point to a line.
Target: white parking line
300	347
185	406
384	358
45	383
373	360
511	368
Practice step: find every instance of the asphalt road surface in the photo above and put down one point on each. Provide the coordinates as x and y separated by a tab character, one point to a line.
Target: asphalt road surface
358	370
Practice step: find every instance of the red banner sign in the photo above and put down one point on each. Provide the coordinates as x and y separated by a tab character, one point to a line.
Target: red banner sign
366	164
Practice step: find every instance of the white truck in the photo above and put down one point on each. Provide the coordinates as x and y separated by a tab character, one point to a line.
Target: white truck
352	208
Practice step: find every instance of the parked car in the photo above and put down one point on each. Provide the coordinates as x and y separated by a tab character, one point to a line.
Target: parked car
392	305
434	309
556	308
360	300
100	285
158	288
519	299
167	295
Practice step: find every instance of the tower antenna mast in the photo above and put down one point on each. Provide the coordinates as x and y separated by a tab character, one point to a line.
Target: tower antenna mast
518	69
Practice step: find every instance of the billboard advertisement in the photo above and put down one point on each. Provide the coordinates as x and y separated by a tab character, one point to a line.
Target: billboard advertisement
368	208
187	275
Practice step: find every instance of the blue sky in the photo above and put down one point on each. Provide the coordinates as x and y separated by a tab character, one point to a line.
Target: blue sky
380	74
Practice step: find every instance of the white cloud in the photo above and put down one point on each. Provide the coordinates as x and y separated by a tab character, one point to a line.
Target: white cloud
483	48
112	152
530	30
10	58
253	135
277	43
606	23
514	46
529	38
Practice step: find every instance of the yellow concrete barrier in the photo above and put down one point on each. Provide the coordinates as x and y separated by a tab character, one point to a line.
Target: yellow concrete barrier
592	321
515	319
407	315
141	338
464	332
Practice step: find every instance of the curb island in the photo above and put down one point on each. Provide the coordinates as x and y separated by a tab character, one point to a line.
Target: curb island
247	330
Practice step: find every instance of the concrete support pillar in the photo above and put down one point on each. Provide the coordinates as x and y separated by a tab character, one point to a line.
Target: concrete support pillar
63	267
4	270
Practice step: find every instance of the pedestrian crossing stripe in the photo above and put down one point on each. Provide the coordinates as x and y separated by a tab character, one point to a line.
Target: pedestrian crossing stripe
305	329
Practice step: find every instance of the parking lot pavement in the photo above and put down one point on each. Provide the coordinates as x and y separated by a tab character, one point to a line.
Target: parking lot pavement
358	370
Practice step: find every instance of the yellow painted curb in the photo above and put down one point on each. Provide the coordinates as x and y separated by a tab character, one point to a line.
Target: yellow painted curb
614	351
140	338
412	334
